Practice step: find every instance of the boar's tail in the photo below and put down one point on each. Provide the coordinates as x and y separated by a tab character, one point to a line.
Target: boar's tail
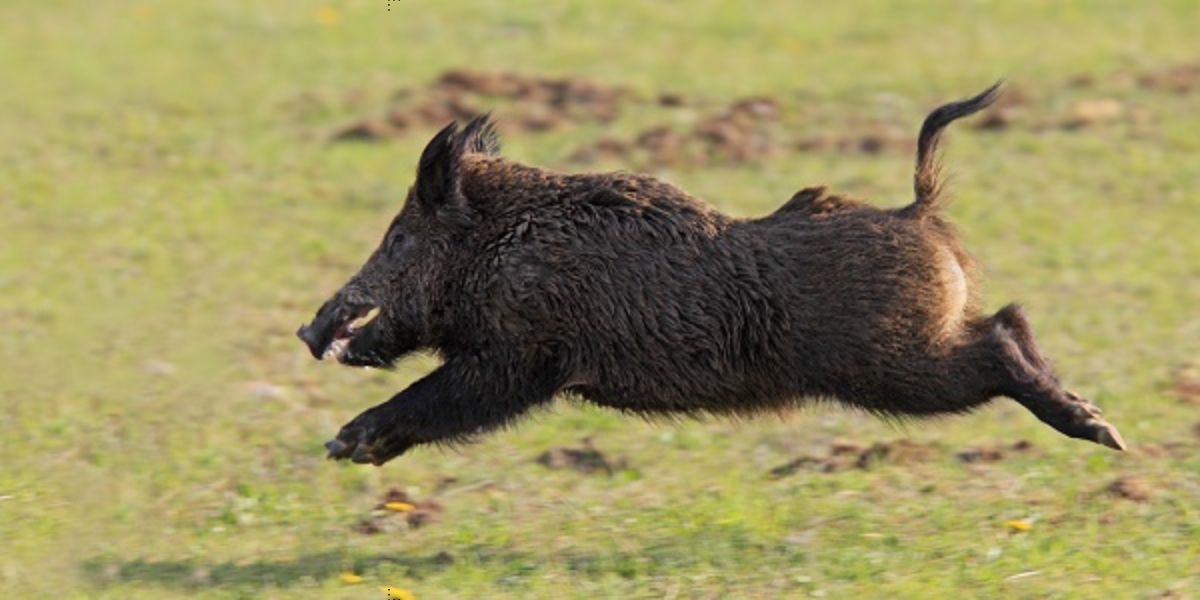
927	183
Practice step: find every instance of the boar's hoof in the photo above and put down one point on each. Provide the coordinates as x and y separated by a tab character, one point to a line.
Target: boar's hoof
356	452
1108	435
1094	427
338	449
363	443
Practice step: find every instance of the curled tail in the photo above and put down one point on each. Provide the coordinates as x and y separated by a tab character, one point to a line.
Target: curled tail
927	182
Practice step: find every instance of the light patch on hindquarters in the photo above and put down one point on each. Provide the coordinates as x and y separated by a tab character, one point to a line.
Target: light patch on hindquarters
953	281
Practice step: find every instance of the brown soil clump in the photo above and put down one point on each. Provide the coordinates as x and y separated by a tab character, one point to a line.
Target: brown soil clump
1129	488
1010	110
739	133
1186	384
1180	79
395	502
585	459
1085	113
537	104
986	454
844	455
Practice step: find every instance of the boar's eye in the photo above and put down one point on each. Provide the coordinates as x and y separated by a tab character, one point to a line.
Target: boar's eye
394	242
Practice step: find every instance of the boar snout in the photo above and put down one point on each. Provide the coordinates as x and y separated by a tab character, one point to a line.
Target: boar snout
311	339
336	324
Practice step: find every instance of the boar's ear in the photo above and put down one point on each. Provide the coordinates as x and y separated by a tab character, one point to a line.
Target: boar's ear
439	184
437	187
479	137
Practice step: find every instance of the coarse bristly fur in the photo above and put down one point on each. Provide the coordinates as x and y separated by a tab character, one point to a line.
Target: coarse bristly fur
629	293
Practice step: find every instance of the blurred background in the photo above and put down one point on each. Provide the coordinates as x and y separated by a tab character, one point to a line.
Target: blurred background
182	183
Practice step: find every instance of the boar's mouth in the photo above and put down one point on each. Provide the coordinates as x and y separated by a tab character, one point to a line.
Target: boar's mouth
348	330
325	345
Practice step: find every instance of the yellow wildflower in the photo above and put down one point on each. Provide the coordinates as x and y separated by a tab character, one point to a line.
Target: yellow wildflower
328	16
399	506
395	593
350	578
1019	525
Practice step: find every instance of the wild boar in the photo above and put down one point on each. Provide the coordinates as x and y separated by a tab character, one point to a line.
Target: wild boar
625	291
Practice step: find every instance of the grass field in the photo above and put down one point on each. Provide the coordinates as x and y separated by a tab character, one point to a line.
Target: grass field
171	212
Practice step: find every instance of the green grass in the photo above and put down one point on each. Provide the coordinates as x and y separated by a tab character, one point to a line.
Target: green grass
169	218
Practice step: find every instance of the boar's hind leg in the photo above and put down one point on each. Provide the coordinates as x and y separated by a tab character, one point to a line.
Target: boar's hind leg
1028	379
456	401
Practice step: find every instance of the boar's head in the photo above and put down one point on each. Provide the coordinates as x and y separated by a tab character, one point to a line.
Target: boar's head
388	308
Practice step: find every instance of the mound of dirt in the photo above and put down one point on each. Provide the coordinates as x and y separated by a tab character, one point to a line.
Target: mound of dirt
573	97
845	455
1011	108
663	145
1164	450
1186	383
537	104
1129	488
739	133
1096	111
1180	79
397	503
898	452
746	131
672	100
585	459
987	454
875	139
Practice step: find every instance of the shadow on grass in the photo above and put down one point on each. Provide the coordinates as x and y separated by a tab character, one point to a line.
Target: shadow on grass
279	573
711	548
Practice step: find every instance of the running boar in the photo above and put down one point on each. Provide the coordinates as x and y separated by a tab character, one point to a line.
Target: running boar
627	292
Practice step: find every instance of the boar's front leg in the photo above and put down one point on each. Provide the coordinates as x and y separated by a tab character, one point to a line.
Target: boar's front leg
454	402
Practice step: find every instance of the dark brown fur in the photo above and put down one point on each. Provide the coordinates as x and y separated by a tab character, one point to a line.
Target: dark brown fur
631	294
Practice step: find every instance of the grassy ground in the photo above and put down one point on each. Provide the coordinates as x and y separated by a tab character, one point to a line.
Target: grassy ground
169	218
